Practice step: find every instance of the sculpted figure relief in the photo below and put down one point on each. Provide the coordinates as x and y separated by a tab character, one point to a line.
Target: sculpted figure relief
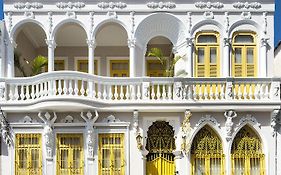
48	132
90	131
186	129
229	115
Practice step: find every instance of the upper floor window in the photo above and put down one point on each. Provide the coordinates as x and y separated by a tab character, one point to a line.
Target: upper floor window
244	55
207	54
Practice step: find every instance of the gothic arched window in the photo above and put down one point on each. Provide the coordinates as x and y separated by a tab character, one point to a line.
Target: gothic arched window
207	153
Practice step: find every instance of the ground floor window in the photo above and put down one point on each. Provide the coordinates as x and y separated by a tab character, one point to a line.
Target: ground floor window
246	153
207	153
70	154
111	154
28	154
160	144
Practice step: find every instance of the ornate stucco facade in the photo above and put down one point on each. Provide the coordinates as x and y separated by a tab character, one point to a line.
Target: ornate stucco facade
102	105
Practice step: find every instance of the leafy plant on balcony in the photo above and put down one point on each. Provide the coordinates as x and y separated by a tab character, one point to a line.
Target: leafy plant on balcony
37	64
167	63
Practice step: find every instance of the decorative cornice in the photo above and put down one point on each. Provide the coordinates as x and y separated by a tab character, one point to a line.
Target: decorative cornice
112	5
28	5
209	5
70	5
247	5
161	5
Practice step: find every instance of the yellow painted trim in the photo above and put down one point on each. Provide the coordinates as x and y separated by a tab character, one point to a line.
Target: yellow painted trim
207	48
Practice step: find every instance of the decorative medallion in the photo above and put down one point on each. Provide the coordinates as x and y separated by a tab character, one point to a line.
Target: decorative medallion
111	119
208	15
28	119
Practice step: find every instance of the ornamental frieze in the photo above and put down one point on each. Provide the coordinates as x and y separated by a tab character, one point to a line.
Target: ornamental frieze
112	5
70	5
161	5
247	5
209	5
28	5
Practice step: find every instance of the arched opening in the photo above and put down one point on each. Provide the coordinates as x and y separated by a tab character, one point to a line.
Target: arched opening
246	153
30	43
159	57
207	153
112	50
160	144
71	45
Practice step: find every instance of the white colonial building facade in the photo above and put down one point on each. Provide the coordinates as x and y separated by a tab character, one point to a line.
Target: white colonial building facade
102	106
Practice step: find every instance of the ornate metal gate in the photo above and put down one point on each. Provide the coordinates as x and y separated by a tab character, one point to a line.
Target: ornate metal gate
160	144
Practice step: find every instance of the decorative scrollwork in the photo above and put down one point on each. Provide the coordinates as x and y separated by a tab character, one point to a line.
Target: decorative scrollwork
5	129
161	5
209	5
247	5
160	138
112	5
70	5
28	5
186	129
246	142
206	143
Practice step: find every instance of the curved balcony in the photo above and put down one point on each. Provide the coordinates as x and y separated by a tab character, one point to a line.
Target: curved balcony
63	85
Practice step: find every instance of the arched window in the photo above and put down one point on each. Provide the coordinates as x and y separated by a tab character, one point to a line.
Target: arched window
244	55
207	153
246	153
160	144
207	55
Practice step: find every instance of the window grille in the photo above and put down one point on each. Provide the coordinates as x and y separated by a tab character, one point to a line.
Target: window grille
28	154
111	154
70	154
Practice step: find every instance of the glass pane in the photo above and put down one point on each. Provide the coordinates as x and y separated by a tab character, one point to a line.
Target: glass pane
199	166
105	158
83	66
59	65
213	55
207	39
215	166
64	158
250	55
238	55
22	159
244	39
201	54
120	66
255	166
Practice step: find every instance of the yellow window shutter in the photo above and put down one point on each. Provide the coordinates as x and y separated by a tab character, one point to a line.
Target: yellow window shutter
238	70
250	70
200	70
213	70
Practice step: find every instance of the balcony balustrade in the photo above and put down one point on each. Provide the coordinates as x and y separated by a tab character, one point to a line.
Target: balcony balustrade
72	84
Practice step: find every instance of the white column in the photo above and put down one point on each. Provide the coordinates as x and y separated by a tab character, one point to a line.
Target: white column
263	58
225	59
91	57
2	50
51	54
189	57
132	47
10	60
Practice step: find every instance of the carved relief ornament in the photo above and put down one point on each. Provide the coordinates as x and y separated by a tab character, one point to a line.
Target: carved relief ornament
209	5
186	130
247	5
70	5
28	5
112	5
161	5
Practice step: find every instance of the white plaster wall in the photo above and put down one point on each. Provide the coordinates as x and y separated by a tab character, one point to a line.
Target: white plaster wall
277	61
